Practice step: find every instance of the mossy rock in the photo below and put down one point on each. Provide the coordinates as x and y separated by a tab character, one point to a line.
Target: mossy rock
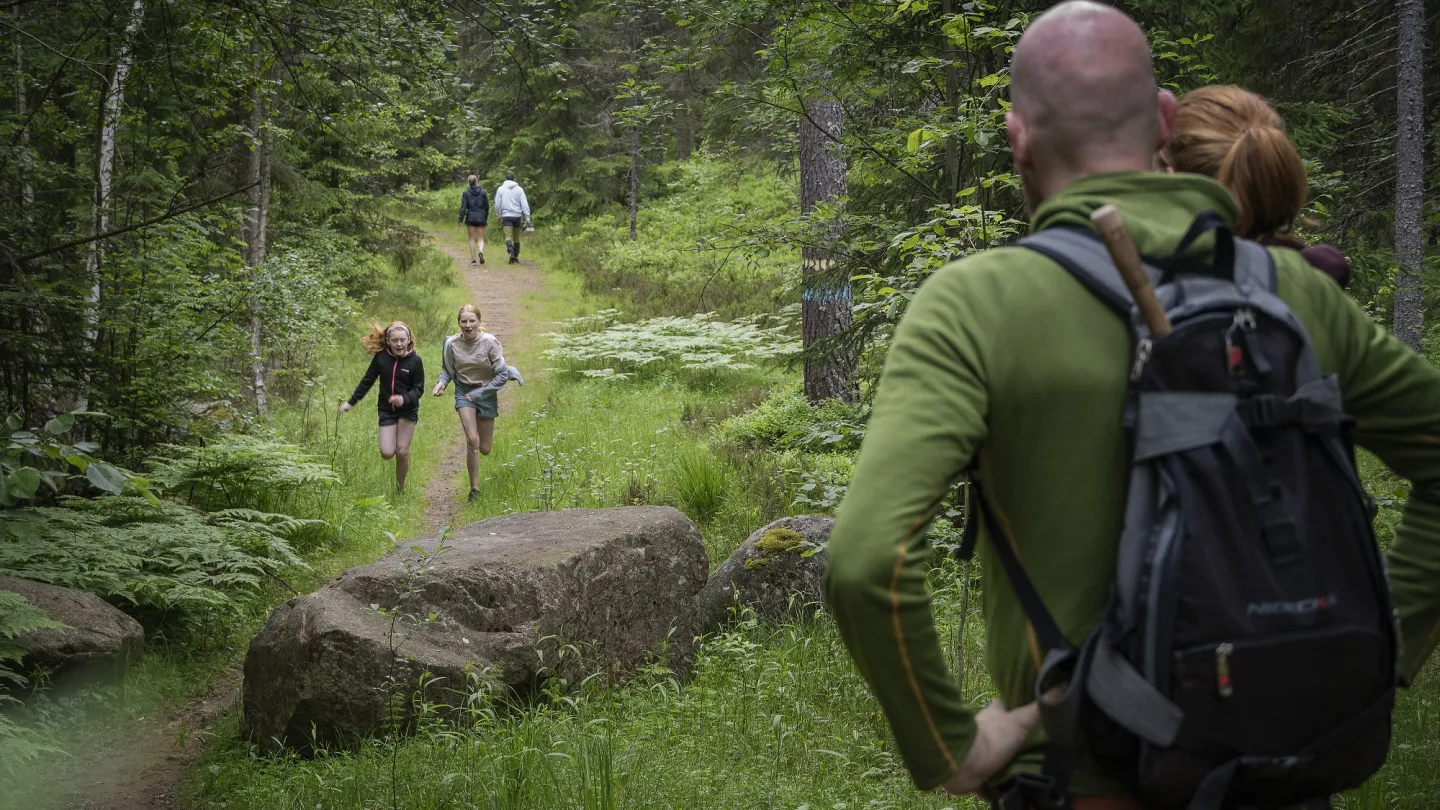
780	541
770	574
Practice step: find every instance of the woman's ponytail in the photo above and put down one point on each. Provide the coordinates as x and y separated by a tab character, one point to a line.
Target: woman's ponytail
1267	177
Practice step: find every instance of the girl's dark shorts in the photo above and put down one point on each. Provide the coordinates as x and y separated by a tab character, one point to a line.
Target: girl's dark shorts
389	417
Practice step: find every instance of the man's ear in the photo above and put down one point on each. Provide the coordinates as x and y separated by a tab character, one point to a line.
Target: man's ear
1167	106
1019	135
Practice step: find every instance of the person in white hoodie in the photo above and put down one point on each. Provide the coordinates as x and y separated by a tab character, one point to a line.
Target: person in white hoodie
514	212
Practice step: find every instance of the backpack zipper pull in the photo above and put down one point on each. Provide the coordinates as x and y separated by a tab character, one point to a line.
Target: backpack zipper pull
1222	669
1142	356
1245	319
1234	354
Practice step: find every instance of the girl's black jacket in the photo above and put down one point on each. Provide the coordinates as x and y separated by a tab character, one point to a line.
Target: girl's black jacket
397	375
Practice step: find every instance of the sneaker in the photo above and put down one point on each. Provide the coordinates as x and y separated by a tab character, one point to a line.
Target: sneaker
472	262
482	258
474	493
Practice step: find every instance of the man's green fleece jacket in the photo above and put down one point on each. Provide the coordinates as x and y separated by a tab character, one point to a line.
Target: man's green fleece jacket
1004	354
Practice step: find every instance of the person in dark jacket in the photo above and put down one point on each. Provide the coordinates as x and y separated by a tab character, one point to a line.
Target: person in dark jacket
402	382
474	213
1236	137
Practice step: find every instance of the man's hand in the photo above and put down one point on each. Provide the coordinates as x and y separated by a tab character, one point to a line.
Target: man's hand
344	406
396	401
999	735
439	389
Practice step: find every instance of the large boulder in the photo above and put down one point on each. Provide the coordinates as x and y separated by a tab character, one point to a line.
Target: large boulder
510	601
769	573
97	641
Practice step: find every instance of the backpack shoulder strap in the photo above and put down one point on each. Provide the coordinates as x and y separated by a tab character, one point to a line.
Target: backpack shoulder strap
1254	267
1083	255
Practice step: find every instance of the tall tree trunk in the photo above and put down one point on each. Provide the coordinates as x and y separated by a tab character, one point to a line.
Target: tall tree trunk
826	305
114	95
257	214
684	135
952	100
27	164
634	179
1410	173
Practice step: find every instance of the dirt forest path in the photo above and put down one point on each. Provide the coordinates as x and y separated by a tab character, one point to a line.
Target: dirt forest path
146	770
496	288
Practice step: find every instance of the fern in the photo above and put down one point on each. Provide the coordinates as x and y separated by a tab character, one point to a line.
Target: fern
18	745
167	558
597	346
786	421
235	470
17	617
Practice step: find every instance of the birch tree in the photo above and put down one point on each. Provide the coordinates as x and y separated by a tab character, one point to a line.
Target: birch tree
257	214
111	101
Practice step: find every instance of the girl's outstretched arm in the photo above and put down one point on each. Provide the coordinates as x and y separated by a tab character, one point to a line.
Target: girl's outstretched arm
371	375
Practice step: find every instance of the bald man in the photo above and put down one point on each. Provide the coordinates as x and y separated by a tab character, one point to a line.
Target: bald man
1003	357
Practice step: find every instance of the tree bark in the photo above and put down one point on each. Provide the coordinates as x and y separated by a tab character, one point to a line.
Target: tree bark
952	100
256	219
684	136
1410	173
634	179
27	164
826	303
114	95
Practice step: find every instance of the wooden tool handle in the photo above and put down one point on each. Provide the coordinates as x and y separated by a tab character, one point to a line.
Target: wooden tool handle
1127	258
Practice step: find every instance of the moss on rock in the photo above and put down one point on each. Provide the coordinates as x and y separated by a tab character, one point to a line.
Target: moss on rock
780	541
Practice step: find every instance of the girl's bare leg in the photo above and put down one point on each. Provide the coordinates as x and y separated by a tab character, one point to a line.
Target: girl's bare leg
479	437
405	430
387	442
472	445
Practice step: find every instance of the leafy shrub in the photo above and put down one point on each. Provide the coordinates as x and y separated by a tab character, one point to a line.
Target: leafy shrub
787	421
822	482
30	459
699	483
597	346
162	559
236	470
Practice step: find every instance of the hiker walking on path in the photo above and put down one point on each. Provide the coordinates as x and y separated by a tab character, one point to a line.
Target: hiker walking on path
474	213
514	212
402	382
1234	136
1015	365
475	361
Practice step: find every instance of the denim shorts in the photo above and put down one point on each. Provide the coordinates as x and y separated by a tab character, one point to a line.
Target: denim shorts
485	403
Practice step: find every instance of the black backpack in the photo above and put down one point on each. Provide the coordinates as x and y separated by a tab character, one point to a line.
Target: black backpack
1247	658
477	206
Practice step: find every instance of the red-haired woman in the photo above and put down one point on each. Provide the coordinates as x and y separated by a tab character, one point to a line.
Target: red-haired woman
402	382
